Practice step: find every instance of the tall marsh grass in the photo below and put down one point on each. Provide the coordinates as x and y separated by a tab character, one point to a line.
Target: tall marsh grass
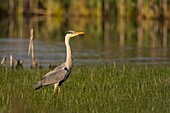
89	89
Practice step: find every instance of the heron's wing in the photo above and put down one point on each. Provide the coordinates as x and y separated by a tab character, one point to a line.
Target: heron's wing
62	66
54	76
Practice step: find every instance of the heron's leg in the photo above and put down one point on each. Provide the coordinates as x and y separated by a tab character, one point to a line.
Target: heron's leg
55	87
58	90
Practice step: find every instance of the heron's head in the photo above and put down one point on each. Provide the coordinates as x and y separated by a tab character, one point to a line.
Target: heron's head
71	34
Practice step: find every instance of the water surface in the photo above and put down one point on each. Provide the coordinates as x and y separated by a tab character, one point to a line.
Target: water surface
105	41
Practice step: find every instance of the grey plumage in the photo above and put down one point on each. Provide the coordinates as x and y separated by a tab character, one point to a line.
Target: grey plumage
58	75
38	85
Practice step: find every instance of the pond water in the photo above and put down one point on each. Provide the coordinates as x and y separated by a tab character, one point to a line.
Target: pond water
105	41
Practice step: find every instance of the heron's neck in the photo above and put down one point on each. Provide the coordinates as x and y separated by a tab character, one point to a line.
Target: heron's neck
68	53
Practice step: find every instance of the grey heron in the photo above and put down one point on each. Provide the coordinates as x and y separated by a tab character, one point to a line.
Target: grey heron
59	74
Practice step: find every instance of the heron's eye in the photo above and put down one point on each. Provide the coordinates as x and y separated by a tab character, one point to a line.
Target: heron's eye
69	32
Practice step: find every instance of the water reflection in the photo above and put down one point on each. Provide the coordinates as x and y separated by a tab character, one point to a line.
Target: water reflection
108	40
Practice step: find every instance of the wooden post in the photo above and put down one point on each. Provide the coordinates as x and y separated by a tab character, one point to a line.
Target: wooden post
11	61
3	61
31	48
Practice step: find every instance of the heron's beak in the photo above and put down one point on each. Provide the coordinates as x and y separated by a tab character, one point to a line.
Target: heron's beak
78	33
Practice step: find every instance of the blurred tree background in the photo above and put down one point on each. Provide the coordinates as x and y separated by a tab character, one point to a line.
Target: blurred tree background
122	8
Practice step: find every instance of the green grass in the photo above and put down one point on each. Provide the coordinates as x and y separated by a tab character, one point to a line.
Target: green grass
89	89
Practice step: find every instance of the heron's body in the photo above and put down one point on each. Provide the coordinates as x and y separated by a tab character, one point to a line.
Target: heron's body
59	74
56	76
